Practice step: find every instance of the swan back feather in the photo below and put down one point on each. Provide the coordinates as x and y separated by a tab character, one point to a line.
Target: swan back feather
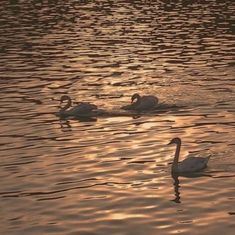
192	164
147	103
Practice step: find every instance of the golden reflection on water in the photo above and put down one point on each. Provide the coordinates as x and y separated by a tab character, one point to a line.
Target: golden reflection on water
111	175
120	216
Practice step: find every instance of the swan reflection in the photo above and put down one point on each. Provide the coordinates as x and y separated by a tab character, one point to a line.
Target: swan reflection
65	125
176	182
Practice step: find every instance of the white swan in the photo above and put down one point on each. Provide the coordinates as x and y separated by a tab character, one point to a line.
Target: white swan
142	103
82	109
190	164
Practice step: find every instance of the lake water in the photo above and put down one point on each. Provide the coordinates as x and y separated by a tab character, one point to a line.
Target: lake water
111	175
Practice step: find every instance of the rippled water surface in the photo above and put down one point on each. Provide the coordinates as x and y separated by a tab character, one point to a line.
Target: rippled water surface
111	175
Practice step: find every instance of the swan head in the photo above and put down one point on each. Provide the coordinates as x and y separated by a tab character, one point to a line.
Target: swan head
176	140
135	96
64	97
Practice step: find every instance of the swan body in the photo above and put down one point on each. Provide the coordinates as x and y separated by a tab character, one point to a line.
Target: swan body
82	109
142	103
190	164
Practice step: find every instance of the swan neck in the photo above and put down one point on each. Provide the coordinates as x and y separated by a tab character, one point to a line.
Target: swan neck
68	105
138	99
176	158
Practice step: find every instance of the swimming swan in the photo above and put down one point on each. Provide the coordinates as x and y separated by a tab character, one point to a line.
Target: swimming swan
190	164
142	103
82	109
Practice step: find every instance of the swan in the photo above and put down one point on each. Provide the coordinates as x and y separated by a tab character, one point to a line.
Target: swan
82	109
190	164
142	103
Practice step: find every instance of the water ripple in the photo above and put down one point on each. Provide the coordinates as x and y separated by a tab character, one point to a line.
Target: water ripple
60	176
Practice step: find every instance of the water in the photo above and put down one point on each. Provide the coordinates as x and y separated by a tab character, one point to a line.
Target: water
111	175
